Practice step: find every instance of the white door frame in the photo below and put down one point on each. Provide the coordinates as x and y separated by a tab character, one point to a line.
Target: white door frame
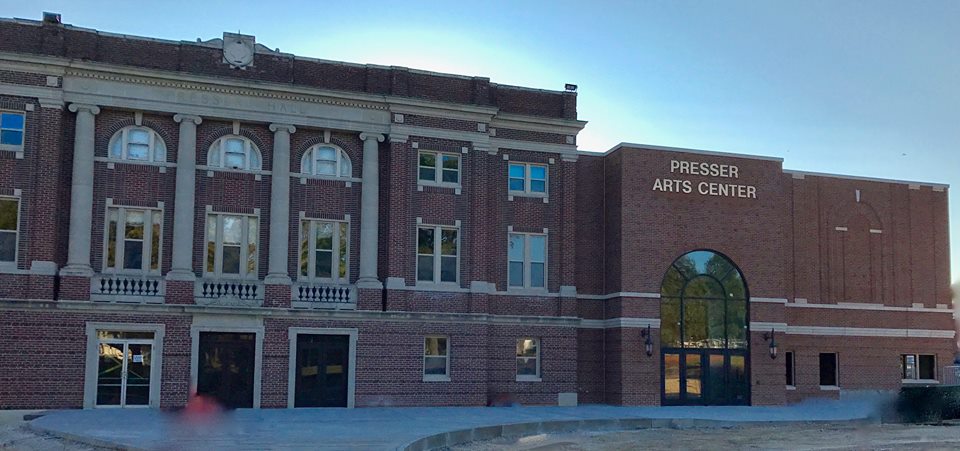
91	368
195	331
351	363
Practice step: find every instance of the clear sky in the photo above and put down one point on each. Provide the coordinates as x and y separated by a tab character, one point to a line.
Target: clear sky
869	88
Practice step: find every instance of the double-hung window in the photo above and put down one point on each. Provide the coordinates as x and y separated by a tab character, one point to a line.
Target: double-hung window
436	359
527	179
438	254
234	152
232	245
11	130
326	160
133	240
138	144
9	229
527	260
438	168
324	250
918	367
528	359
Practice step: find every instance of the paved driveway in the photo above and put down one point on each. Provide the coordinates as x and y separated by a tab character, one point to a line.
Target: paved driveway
378	428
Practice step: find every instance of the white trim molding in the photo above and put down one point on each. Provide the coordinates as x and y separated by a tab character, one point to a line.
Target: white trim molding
869	332
623	323
92	358
228	324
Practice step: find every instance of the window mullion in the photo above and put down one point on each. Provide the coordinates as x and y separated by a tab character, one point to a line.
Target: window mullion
335	250
121	238
526	261
311	250
218	247
438	172
124	141
244	250
150	156
436	252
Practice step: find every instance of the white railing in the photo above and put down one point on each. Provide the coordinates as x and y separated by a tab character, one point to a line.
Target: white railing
229	292
320	295
951	375
126	288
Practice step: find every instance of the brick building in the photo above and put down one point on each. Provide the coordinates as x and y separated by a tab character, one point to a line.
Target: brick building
281	231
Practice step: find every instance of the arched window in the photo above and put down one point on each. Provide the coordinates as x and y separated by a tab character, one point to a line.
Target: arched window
137	143
324	159
703	303
234	152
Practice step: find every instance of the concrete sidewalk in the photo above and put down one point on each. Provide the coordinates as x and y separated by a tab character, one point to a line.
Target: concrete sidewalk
395	428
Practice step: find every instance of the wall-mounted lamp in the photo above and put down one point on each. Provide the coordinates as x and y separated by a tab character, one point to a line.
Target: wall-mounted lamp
648	343
769	336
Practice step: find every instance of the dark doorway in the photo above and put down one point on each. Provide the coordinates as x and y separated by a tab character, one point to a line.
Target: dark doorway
226	366
322	370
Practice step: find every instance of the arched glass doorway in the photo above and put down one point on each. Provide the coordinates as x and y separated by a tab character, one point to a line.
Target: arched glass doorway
704	331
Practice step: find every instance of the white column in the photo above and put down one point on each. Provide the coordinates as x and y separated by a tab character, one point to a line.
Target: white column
369	211
184	202
280	206
81	192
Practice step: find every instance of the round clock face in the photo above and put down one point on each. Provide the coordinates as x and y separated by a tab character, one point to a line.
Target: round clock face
237	53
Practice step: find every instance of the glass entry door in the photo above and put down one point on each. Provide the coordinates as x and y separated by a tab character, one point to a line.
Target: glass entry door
123	372
322	370
705	377
226	366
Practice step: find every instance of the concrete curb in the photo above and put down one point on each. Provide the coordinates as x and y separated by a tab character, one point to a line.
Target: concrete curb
519	430
83	439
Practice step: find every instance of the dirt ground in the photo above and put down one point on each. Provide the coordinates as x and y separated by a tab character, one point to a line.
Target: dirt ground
786	437
15	436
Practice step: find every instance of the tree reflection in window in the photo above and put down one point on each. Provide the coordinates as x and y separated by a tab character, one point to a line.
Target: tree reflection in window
703	303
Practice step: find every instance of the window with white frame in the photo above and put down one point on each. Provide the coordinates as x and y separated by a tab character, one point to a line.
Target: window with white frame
528	179
324	159
232	245
436	358
9	228
528	358
918	366
438	168
324	250
11	130
527	260
133	240
234	152
437	254
139	144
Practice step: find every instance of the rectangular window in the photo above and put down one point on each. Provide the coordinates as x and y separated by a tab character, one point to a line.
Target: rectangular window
527	260
232	245
527	179
133	240
918	366
11	130
324	250
438	254
436	359
791	371
9	228
528	359
828	370
438	168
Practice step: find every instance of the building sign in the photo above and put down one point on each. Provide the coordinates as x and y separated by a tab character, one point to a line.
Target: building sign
721	187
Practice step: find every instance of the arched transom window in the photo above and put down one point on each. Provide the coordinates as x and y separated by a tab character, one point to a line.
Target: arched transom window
703	303
139	144
324	159
234	152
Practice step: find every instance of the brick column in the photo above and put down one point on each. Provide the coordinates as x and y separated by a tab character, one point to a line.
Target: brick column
44	215
181	278
76	275
370	288
568	235
278	279
399	223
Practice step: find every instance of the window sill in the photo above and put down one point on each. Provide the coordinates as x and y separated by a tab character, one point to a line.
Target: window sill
529	379
109	160
212	169
791	387
304	177
527	194
454	186
829	388
439	286
436	378
527	291
920	382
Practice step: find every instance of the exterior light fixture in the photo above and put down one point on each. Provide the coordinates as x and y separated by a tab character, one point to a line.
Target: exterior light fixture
648	343
769	336
570	87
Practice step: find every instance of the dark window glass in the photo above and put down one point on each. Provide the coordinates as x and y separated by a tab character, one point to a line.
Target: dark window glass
828	369
425	268
790	373
14	138
516	184
231	259
8	246
927	367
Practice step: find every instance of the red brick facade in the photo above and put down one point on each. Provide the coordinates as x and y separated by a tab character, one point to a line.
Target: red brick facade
856	267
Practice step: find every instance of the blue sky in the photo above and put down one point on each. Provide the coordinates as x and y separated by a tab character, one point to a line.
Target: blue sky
868	88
